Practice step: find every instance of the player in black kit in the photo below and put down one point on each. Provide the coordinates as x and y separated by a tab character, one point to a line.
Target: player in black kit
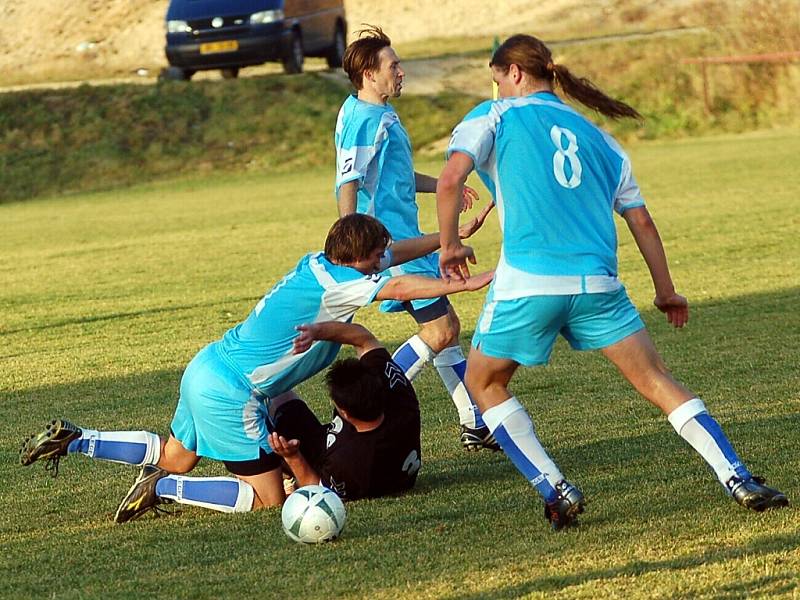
371	447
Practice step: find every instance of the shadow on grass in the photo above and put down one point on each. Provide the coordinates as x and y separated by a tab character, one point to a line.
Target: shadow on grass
766	544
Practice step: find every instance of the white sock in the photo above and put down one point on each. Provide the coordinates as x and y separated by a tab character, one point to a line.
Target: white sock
701	430
224	494
412	356
127	447
451	365
513	429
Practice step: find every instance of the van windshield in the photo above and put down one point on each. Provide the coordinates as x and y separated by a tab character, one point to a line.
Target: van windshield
186	10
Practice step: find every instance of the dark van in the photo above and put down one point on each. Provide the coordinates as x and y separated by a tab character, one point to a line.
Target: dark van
231	34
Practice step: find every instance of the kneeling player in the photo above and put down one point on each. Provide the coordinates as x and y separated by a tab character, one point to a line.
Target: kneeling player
225	390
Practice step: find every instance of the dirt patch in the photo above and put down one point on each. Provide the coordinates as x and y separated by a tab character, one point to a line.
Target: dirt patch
57	40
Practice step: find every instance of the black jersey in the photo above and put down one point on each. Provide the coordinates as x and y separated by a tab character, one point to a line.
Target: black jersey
386	459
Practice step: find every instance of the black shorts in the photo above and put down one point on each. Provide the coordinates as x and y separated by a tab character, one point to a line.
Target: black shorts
264	463
295	421
428	313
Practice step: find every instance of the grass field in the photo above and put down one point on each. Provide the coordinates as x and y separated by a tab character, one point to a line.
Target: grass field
105	298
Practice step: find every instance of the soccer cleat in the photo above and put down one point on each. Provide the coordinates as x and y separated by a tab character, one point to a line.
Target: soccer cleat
49	445
473	439
753	494
142	496
563	512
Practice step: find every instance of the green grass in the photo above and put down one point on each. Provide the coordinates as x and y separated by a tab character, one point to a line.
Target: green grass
106	297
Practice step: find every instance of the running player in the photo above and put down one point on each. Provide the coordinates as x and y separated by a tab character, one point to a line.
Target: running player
225	390
557	179
375	176
371	447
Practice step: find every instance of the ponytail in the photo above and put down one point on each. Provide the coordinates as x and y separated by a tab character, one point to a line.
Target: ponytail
533	57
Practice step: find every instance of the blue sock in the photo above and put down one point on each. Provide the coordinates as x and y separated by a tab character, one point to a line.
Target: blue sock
704	434
223	494
412	356
513	430
127	447
452	366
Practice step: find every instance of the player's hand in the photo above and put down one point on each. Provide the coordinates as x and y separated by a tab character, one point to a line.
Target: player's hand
468	197
453	262
470	227
306	338
676	307
283	447
479	281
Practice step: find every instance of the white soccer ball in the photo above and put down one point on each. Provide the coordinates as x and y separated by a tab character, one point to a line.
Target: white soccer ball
313	514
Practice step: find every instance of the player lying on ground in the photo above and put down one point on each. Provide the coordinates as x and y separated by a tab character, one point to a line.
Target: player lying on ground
225	389
557	180
376	176
371	447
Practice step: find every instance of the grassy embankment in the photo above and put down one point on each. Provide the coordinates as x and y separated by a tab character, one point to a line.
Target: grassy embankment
59	141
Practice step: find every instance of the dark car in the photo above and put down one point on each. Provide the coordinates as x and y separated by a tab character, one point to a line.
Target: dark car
231	34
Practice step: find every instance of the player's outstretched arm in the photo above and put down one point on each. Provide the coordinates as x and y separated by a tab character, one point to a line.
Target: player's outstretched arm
416	287
648	240
412	248
351	334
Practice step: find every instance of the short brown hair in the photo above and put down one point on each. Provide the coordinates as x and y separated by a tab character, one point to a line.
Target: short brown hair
354	238
362	54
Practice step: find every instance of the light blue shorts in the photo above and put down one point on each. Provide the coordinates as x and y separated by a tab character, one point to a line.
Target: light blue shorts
217	415
426	266
525	329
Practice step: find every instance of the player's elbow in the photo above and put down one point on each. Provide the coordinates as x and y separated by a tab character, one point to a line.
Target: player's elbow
449	182
398	289
639	220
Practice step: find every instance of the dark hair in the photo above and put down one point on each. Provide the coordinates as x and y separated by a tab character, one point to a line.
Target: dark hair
355	237
355	389
533	57
362	54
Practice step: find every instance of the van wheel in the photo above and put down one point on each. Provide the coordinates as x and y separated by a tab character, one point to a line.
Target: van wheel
175	74
336	53
231	73
293	59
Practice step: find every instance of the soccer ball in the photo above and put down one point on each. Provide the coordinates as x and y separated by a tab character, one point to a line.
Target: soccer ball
313	514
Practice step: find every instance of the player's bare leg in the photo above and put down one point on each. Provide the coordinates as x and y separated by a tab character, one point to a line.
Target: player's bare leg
637	359
438	340
487	379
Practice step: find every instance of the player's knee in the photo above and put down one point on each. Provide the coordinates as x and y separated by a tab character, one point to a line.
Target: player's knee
443	334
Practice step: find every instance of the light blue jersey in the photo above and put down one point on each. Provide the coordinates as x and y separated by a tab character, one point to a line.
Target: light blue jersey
373	148
260	348
556	179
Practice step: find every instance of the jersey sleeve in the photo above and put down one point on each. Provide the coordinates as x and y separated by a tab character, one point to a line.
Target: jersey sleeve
627	194
358	142
343	299
396	385
474	136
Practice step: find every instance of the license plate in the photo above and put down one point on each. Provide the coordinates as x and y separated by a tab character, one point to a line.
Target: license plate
215	47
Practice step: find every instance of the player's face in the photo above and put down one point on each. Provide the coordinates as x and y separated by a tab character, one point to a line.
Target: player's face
389	76
372	263
504	81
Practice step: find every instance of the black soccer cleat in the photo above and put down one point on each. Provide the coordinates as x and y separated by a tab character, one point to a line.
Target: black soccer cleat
753	494
473	439
142	496
563	512
49	445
